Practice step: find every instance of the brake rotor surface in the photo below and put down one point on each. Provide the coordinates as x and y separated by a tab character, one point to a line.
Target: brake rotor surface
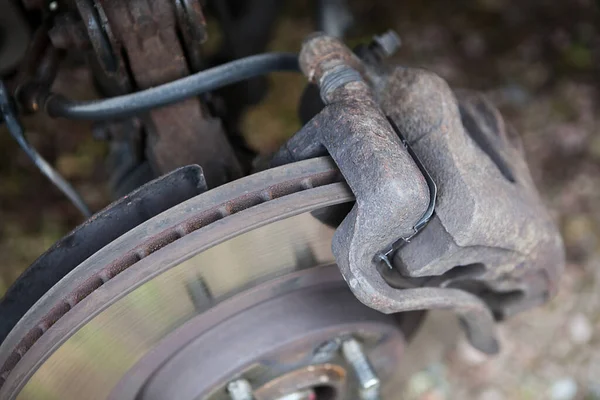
122	321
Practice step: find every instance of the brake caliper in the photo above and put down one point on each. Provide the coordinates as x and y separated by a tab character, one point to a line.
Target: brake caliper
488	250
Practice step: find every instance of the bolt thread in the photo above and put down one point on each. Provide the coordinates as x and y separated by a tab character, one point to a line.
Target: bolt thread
368	380
336	78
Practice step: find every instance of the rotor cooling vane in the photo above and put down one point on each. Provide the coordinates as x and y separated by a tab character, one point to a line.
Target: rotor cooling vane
301	281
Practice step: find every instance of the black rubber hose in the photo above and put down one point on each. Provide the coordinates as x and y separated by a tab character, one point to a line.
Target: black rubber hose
172	92
16	130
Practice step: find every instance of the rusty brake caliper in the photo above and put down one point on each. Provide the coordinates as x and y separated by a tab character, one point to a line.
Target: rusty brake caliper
489	250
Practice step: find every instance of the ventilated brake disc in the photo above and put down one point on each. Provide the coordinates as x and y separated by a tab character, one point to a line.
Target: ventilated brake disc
235	282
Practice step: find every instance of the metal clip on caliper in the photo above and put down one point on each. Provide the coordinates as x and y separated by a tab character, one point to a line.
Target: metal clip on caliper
466	240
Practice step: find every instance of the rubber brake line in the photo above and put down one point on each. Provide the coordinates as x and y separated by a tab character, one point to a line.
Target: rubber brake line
128	105
201	82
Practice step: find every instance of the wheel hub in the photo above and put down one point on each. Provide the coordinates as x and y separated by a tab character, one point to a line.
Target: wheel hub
279	345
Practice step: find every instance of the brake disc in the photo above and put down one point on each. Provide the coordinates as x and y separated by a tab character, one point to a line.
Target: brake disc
235	282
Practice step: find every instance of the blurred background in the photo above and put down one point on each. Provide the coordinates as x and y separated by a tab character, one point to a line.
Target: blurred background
538	60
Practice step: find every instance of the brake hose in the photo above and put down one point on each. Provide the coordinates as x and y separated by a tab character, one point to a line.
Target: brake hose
128	105
204	81
9	116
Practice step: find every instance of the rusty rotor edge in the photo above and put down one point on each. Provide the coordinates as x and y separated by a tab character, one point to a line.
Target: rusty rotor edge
160	235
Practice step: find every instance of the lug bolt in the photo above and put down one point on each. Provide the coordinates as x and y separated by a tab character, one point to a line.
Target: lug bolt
367	379
240	390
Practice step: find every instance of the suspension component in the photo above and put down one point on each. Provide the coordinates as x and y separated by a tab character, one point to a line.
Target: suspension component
138	44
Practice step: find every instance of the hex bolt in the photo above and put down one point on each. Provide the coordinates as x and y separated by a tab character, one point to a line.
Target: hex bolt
240	390
367	379
388	42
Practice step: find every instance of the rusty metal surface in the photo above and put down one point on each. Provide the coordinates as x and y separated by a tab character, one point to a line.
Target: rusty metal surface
130	248
490	247
125	264
115	317
138	44
152	264
489	212
183	133
141	374
328	377
321	53
283	333
104	227
490	235
392	193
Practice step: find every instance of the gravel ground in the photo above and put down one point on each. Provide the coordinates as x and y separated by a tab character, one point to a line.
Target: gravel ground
538	62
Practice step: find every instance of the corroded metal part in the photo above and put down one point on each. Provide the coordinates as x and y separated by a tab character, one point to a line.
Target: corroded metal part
392	195
488	212
271	344
490	246
183	133
266	218
137	44
111	260
391	192
322	53
105	226
490	235
325	378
